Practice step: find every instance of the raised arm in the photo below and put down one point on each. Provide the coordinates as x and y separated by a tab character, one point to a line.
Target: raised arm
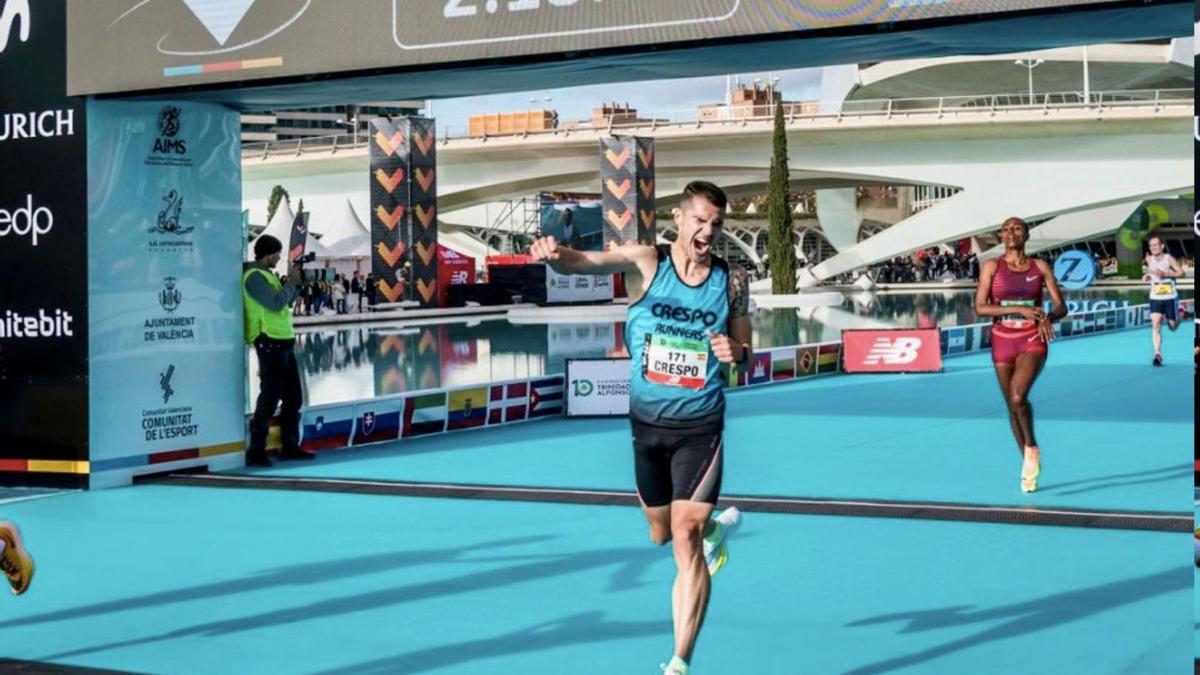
619	260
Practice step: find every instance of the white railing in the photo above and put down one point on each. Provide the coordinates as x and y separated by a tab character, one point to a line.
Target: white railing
885	110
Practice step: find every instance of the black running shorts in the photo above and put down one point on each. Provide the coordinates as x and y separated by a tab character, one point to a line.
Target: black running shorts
681	463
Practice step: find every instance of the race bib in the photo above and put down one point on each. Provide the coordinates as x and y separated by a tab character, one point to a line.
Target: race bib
1016	321
1163	290
675	362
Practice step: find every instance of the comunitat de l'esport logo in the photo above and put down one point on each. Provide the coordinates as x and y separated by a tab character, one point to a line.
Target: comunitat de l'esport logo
15	12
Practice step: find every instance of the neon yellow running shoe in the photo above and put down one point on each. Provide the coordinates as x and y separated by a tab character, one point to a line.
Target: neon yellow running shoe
14	560
716	549
1031	469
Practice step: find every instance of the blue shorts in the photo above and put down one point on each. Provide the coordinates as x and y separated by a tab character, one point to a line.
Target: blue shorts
1168	308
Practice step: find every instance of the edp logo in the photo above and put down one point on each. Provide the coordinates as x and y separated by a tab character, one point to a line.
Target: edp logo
27	221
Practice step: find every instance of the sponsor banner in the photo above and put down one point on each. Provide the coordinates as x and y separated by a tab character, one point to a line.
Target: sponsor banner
467	409
422	159
326	428
391	208
598	387
377	421
508	402
425	414
138	46
43	253
299	237
167	363
546	397
454	269
896	351
561	288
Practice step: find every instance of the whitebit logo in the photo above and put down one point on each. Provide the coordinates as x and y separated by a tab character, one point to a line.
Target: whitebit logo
13	10
54	324
897	352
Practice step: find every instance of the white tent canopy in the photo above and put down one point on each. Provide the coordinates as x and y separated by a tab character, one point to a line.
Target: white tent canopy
348	237
280	227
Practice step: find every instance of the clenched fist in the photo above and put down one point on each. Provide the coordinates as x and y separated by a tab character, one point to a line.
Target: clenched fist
544	248
725	349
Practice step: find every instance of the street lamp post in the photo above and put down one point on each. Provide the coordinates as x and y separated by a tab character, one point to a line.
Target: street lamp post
1030	64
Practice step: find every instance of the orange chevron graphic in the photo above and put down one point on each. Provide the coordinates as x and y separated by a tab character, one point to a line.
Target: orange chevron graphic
390	255
426	217
426	291
647	188
426	253
389	220
392	145
425	179
647	157
392	293
391	342
616	160
424	142
618	191
647	218
389	183
620	221
428	341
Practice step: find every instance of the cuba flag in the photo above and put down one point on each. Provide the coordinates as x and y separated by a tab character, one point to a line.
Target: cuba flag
468	408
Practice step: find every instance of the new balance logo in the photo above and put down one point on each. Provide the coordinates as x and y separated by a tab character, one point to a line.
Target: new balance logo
893	352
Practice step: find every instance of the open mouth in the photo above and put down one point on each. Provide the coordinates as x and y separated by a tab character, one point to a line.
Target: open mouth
701	246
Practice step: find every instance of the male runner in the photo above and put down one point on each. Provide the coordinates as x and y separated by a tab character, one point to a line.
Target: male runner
688	310
1161	271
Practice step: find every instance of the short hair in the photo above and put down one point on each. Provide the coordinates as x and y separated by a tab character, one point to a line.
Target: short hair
711	193
266	245
1020	221
1153	237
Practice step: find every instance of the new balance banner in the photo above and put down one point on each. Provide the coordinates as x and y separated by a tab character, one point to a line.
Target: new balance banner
377	422
598	387
627	195
43	253
326	428
892	351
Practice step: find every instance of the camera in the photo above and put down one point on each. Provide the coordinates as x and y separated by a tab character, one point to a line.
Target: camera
306	258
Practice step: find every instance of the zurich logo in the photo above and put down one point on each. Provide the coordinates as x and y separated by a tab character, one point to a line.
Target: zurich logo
1075	270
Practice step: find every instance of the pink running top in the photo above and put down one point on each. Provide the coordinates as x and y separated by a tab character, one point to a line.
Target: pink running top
1017	288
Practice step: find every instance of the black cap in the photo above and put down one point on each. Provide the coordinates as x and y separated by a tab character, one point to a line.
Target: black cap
266	245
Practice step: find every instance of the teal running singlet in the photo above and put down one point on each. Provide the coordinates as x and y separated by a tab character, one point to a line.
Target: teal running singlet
675	374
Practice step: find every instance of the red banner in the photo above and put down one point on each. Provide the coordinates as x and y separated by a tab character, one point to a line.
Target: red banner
891	351
454	268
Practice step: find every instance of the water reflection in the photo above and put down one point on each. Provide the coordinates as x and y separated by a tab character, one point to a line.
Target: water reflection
344	364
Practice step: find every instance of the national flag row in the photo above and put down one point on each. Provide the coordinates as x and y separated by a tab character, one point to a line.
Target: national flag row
787	363
426	413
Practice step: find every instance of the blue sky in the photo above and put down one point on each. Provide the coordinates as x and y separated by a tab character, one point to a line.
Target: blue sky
655	97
